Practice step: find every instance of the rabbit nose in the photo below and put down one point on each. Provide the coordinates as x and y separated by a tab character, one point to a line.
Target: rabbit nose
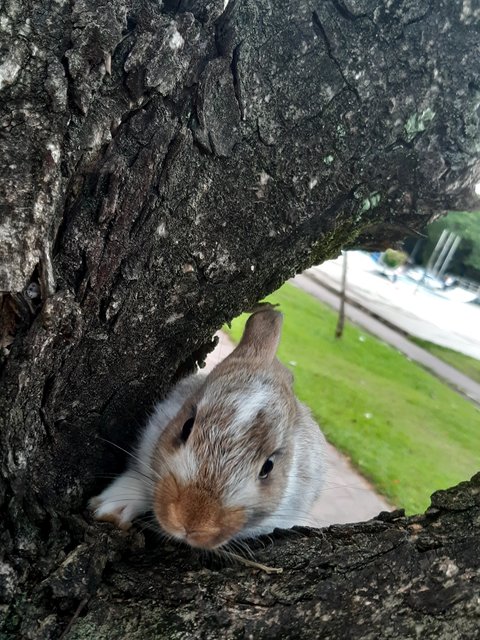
203	538
196	515
198	528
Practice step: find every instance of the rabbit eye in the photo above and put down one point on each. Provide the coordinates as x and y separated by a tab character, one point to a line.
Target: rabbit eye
186	429
265	470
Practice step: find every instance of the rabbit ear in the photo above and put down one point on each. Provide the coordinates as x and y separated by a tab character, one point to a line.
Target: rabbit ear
261	336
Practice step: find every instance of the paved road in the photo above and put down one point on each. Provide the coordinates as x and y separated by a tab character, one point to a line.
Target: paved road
347	496
460	382
404	305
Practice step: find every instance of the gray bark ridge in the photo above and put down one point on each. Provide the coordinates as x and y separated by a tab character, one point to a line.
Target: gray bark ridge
202	157
392	577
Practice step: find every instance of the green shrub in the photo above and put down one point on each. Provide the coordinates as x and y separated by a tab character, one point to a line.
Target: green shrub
394	258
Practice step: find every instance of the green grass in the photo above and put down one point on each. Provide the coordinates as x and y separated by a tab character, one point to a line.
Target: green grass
404	429
469	366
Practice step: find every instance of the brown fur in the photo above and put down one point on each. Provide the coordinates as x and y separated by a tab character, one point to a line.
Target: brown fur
207	488
261	335
194	508
192	511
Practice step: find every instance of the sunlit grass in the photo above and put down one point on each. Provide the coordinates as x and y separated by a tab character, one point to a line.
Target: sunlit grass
404	429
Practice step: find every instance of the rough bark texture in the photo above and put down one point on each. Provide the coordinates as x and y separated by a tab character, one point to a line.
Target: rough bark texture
392	577
164	166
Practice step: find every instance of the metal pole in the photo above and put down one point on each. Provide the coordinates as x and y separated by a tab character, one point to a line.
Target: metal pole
437	249
450	255
341	310
446	247
433	257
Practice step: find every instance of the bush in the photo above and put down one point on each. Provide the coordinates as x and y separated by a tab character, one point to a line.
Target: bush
394	258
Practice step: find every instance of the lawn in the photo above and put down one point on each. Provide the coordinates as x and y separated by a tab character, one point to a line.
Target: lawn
405	430
469	366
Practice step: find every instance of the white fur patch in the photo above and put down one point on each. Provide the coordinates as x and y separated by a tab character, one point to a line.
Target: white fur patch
185	465
248	405
125	499
163	413
240	492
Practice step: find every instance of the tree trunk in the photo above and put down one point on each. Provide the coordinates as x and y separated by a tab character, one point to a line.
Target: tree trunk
165	166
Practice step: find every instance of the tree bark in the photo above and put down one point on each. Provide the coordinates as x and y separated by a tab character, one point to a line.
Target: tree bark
165	165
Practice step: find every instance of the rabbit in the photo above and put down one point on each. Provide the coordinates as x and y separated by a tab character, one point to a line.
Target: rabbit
226	456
